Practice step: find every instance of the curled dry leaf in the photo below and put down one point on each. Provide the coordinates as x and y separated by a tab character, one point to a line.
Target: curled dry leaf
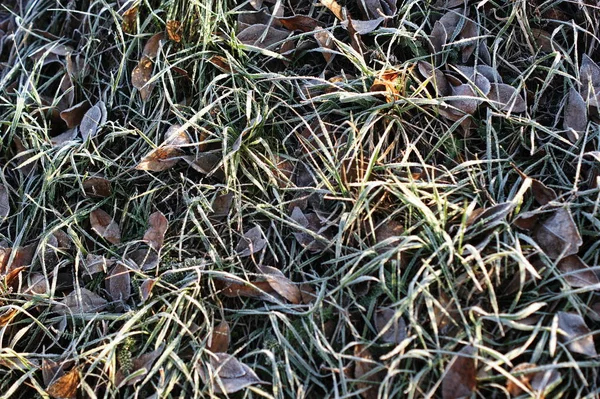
105	226
558	235
146	288
4	204
261	35
66	386
174	30
97	187
129	24
335	8
391	328
168	153
575	115
576	334
281	284
219	338
93	119
460	378
225	374
155	235
251	242
506	98
143	362
118	283
141	75
577	273
364	371
81	301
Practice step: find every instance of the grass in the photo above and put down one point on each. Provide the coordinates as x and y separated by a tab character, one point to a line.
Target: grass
287	135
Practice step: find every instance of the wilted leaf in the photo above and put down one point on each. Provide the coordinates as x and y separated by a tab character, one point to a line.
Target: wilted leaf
460	378
140	76
255	289
325	41
362	27
558	235
4	204
470	30
527	220
476	79
372	9
542	193
506	98
37	284
262	36
145	362
64	137
577	273
387	83
66	386
364	371
81	301
74	115
544	381
146	288
589	75
105	226
51	370
227	375
576	335
281	284
92	120
168	153
437	77
575	115
467	103
174	30
155	235
152	46
97	264
335	8
129	23
219	338
221	63
8	316
206	163
221	206
391	328
97	187
299	22
145	258
251	242
118	283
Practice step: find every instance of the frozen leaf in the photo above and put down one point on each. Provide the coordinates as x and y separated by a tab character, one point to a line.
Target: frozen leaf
364	371
155	235
251	242
326	43
221	63
141	75
299	22
262	36
66	386
460	378
521	376
74	115
372	9
391	328
219	338
577	335
174	30
129	24
438	39
92	120
437	78
387	83
335	8
168	153
506	98
476	79
527	220
81	301
589	75
255	289
490	217
470	30
227	375
221	205
37	284
4	204
308	293
206	163
64	137
544	381
467	102
97	187
558	235
97	264
51	370
577	273
575	115
143	362
281	284
152	45
542	193
105	226
363	27
118	283
145	258
146	288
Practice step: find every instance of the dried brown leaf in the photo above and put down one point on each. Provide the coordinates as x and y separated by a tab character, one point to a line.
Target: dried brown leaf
577	273
460	378
575	115
437	77
174	30
372	9
143	362
140	76
81	301
281	284
146	288
589	76
74	115
558	235
364	371
506	98
576	335
93	119
467	103
299	22
129	24
227	375
335	8
263	36
161	158
97	187
97	264
66	386
4	203
118	283
105	226
542	193
544	381
255	289
251	242
391	328
155	235
219	338
152	45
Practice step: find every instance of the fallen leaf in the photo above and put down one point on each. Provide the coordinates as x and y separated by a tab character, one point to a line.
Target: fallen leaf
155	235
543	382
437	78
141	75
470	30
66	386
221	206
97	187
4	204
152	46
334	7
51	370
168	153
523	377
391	328
325	41
8	316
64	137
263	36
82	301
94	118
146	288
542	193
174	30
145	258
575	115
37	284
221	63
362	27
460	378
225	374
255	289
506	98
589	76
118	283
74	115
97	264
251	242
281	284
372	9
299	22
576	334
143	362
577	273
467	103
129	24
364	372
558	235
105	226
219	338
